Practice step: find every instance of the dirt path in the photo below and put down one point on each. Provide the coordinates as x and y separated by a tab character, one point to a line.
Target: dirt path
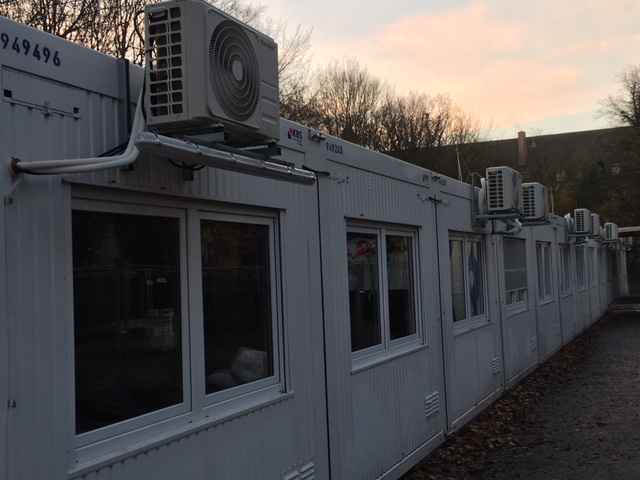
576	417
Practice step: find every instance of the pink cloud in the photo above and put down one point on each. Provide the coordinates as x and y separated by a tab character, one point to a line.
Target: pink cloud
466	32
507	66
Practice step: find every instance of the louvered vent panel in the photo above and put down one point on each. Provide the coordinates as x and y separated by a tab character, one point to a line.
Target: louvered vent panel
583	221
495	365
306	471
534	343
370	183
528	201
496	190
166	76
431	404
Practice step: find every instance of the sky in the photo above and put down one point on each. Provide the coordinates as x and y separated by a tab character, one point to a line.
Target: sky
539	65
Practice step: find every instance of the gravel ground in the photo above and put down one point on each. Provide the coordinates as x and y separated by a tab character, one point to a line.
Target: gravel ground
576	417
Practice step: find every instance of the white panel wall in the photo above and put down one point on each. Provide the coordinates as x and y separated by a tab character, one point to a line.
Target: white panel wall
472	351
547	310
286	437
382	413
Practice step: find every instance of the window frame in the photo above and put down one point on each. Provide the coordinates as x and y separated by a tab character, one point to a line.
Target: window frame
87	439
544	263
369	355
516	299
581	274
564	267
273	384
602	265
196	405
470	319
593	267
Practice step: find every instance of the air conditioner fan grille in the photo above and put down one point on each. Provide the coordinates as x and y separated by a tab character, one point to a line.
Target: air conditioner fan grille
234	71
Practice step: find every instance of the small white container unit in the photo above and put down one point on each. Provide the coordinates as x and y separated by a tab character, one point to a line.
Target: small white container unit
159	318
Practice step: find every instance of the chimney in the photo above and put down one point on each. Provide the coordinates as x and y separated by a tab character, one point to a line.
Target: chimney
522	148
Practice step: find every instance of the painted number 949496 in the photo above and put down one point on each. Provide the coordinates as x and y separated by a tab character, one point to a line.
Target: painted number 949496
22	46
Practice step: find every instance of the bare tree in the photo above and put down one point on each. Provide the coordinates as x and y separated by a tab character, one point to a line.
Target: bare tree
294	66
412	122
121	29
70	19
623	108
246	12
346	99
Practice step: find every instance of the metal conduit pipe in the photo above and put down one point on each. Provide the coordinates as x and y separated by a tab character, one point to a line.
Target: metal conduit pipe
186	151
91	164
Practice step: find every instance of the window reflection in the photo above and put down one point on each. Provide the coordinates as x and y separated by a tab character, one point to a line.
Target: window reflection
236	296
400	281
456	257
127	324
364	310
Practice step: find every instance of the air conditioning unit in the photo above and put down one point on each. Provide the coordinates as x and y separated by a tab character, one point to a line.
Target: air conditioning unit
206	70
595	225
582	218
610	232
504	190
570	223
534	201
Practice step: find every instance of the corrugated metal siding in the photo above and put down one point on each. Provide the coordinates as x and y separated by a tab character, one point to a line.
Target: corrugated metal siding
471	350
4	344
38	303
377	415
389	414
262	443
39	311
547	312
473	375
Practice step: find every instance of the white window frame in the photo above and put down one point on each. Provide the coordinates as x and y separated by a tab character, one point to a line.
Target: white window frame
196	406
386	348
86	441
483	317
544	268
593	272
516	298
602	265
564	267
581	274
223	400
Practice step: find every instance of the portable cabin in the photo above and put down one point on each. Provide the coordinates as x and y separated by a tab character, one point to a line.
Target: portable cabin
543	247
159	322
177	309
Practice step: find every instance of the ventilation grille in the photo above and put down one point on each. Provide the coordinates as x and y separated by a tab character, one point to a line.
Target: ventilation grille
528	201
166	75
431	405
234	71
583	221
306	471
610	231
369	181
495	365
534	342
534	201
503	190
